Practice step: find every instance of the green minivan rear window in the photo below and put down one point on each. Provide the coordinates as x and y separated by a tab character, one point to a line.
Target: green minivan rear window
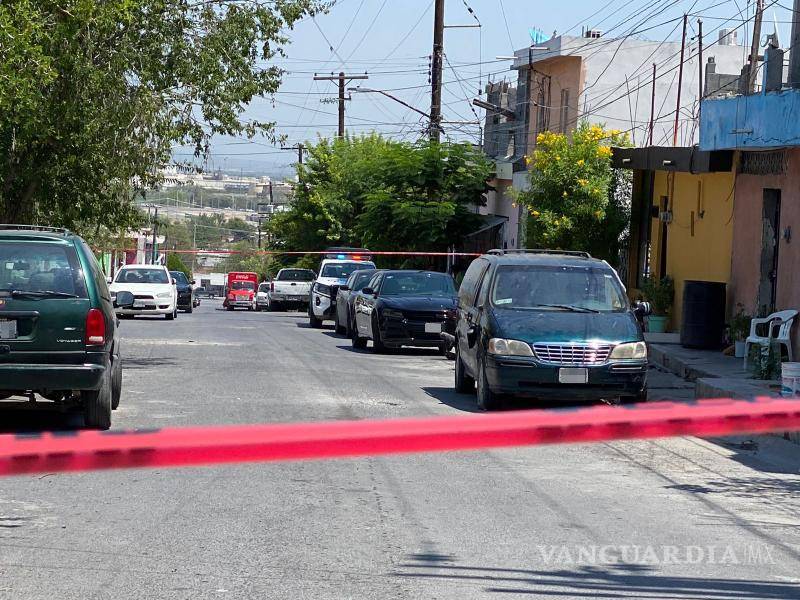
40	267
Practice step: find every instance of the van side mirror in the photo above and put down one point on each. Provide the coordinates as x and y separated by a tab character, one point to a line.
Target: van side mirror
344	287
123	300
174	281
642	310
192	282
368	291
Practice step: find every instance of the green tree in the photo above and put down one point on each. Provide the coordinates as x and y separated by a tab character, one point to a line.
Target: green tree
175	263
95	94
577	201
384	194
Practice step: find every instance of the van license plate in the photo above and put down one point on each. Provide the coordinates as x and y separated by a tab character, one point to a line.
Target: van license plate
8	329
573	375
433	328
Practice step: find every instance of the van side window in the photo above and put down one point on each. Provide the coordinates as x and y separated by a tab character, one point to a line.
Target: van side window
483	287
469	285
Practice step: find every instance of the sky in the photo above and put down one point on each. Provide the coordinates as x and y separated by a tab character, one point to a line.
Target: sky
391	40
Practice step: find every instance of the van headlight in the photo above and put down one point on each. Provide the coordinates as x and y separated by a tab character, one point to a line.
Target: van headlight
629	351
503	347
164	295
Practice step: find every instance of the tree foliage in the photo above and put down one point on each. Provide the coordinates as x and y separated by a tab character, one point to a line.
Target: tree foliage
383	194
577	201
95	93
175	263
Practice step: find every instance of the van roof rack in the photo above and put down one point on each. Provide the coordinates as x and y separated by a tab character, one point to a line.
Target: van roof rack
580	253
19	227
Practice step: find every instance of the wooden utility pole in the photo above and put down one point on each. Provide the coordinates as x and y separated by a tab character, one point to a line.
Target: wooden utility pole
436	70
700	83
652	108
753	68
342	78
300	149
680	82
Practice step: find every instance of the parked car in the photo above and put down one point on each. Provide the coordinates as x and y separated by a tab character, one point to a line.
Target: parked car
186	300
153	288
405	308
336	267
261	295
291	287
548	325
58	332
343	317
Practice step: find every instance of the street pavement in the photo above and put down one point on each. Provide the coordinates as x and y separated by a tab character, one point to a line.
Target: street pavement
675	518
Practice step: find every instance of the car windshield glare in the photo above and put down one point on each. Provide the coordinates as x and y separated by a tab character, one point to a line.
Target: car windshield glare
341	270
361	280
142	276
538	287
33	267
243	285
180	277
417	284
295	275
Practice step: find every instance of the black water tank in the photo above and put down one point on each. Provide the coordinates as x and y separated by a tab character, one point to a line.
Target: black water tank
703	314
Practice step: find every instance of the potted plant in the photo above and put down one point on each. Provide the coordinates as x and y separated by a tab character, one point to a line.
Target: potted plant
659	293
739	330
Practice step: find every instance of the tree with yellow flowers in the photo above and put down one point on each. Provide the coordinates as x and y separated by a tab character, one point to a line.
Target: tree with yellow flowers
574	200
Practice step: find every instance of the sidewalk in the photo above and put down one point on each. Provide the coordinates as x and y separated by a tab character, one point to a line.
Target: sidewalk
714	375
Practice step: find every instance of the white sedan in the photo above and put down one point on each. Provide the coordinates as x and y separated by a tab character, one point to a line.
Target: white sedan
153	290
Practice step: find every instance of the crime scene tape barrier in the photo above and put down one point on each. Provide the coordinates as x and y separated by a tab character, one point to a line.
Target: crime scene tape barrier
92	450
296	252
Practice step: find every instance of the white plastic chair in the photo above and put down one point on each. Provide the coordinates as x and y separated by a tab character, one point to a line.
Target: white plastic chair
782	321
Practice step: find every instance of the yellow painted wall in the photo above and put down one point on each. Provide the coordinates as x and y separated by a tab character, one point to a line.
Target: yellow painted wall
701	252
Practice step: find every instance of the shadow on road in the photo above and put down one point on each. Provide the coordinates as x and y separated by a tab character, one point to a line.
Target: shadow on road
593	581
450	397
18	417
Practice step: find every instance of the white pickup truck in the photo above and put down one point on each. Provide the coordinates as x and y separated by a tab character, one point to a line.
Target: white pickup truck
290	287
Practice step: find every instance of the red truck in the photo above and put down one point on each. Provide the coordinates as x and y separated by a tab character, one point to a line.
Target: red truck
240	289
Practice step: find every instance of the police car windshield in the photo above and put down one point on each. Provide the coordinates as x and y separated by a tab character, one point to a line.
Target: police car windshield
540	287
342	270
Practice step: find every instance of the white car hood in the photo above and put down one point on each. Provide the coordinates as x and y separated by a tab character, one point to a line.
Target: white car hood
142	288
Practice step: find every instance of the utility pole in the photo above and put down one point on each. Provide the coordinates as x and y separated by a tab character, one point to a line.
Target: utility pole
680	82
753	69
342	78
652	108
794	57
300	149
700	83
155	228
436	70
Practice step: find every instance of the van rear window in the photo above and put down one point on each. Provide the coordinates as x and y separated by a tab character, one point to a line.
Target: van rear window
41	267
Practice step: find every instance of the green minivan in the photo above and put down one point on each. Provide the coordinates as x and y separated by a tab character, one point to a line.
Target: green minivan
550	325
58	330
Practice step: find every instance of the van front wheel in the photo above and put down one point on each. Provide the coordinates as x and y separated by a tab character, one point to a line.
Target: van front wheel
487	399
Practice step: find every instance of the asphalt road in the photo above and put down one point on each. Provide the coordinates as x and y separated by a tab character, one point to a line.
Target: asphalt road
677	518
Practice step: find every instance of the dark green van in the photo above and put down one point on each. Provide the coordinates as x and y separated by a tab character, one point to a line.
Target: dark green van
554	326
57	325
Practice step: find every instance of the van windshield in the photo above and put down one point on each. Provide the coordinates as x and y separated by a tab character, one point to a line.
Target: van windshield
540	287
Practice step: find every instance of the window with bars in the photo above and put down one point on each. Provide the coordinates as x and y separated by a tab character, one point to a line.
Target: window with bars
762	163
564	119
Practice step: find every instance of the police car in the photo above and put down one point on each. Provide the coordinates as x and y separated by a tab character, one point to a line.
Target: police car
336	267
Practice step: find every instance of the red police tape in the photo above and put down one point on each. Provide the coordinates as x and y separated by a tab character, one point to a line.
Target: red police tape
92	450
297	252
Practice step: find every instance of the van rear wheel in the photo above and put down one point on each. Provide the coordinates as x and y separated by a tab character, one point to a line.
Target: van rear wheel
97	405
